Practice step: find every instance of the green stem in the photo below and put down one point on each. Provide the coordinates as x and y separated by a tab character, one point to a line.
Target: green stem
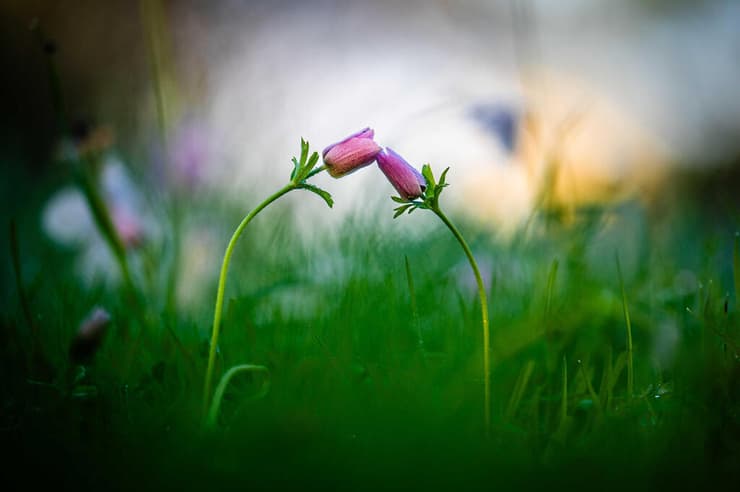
222	286
484	316
218	396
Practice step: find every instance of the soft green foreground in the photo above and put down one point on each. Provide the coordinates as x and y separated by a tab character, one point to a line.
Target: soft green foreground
364	389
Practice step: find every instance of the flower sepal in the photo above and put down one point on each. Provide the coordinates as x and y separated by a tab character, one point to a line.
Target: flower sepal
304	169
429	198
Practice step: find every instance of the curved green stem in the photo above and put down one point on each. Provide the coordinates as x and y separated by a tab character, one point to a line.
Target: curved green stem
484	316
218	396
222	286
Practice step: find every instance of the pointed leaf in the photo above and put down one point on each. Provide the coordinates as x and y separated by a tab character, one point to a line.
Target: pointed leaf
426	171
315	172
442	178
398	199
322	193
439	189
312	161
304	171
304	151
400	210
296	166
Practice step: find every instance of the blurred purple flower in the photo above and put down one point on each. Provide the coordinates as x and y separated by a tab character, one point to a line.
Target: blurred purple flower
500	120
128	226
189	152
356	151
409	182
89	336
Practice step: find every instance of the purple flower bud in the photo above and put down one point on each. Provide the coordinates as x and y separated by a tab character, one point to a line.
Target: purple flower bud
405	179
356	151
89	336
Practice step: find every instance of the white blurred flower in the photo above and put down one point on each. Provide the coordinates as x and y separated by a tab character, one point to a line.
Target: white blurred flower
67	220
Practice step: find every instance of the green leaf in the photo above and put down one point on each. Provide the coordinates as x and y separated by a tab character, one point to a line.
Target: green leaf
312	161
314	172
401	209
304	151
426	171
442	183
398	199
322	193
304	171
438	190
296	166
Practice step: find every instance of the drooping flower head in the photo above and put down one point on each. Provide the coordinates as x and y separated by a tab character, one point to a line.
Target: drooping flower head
354	152
409	182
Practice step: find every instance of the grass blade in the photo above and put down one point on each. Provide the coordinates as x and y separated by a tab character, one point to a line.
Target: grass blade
16	257
519	388
630	365
551	276
736	267
564	400
414	309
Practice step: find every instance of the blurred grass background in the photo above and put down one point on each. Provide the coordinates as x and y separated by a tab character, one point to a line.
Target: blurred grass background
353	393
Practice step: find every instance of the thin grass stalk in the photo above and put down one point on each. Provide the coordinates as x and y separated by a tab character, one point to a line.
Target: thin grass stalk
630	361
414	308
519	388
16	257
736	268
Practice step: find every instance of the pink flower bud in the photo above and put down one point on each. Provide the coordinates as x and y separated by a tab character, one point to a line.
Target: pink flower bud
89	336
405	179
356	151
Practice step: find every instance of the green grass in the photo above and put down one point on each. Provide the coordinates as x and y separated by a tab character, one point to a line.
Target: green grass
581	397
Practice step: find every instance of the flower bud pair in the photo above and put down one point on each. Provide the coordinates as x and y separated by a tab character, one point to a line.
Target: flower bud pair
359	150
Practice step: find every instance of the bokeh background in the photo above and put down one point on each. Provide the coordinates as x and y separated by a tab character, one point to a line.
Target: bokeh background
630	100
652	79
576	132
598	101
